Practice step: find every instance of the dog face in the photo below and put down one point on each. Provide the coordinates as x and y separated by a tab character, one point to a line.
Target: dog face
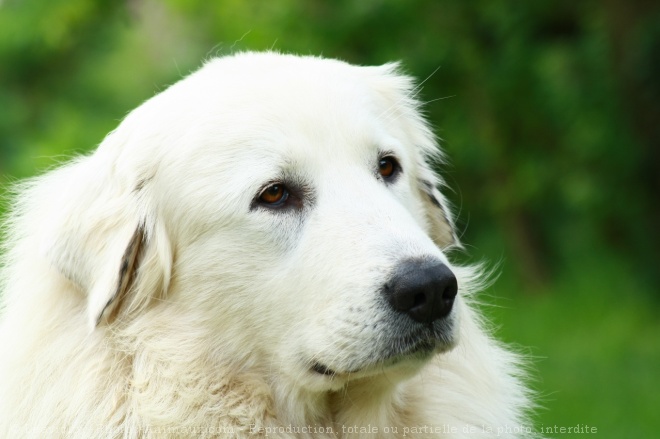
286	202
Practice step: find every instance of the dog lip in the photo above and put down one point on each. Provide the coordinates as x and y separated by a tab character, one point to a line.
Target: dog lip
418	346
323	370
419	350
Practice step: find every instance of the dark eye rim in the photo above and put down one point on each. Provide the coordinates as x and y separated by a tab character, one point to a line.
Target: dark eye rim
396	167
286	193
297	196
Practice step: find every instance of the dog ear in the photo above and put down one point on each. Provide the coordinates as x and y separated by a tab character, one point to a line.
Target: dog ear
438	214
110	297
105	239
398	93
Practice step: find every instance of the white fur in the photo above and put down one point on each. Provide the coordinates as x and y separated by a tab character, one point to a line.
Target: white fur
229	304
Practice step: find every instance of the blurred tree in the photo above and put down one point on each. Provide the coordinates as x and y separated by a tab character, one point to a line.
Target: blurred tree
42	45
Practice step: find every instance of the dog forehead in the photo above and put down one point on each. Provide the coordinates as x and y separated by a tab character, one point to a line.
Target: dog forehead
278	71
257	113
232	99
260	107
284	88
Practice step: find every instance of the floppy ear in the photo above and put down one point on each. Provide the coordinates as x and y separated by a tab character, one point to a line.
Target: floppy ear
399	97
109	298
438	215
106	240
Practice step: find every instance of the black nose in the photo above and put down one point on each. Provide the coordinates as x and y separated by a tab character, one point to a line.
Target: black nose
423	289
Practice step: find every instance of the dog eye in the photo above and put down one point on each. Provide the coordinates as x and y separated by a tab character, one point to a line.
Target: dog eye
388	167
274	195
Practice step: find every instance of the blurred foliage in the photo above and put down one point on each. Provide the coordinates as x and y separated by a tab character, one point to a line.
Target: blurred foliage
549	108
549	111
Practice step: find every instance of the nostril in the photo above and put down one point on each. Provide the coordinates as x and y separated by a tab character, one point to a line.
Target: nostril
419	300
451	289
449	292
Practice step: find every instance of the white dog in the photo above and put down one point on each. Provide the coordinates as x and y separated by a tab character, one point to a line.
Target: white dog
259	250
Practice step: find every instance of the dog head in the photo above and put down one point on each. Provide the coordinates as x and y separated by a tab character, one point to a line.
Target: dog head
284	201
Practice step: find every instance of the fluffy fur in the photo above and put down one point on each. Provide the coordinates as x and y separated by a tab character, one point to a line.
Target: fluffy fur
147	293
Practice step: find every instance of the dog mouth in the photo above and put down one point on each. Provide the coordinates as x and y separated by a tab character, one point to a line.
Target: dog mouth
421	352
413	348
323	370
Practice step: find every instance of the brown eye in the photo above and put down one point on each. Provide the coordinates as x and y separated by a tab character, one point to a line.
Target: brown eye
387	167
274	195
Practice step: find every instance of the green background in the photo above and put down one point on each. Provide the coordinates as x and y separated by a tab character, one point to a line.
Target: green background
548	110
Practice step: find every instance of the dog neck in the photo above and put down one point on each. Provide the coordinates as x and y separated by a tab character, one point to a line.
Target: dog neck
360	408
